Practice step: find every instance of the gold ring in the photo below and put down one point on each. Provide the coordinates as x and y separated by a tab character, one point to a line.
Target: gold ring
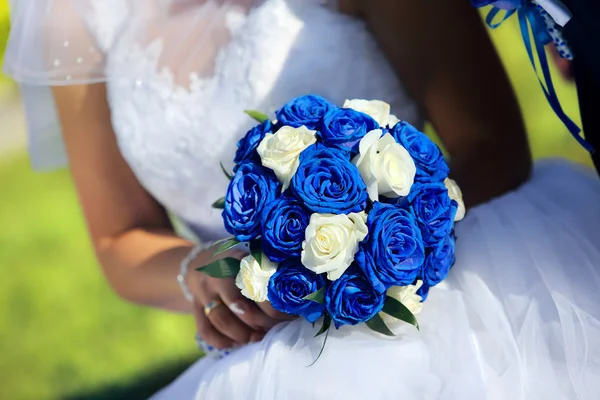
211	306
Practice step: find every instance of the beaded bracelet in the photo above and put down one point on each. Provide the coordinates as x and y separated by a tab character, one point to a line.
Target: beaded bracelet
184	269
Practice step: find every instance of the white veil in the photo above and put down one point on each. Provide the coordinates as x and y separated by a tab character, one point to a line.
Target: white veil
67	42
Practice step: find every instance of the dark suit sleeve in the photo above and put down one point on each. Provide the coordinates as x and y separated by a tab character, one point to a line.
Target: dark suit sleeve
583	34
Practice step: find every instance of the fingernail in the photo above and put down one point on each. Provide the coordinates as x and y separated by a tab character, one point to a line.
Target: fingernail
237	308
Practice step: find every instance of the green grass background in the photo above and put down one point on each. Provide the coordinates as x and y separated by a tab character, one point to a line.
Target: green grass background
65	335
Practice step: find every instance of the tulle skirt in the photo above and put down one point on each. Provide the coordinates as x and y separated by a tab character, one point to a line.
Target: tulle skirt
518	317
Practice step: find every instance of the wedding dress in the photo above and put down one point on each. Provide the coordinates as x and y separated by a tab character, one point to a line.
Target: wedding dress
518	317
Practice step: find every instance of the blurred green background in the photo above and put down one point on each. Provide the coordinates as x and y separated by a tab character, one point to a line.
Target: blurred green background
63	333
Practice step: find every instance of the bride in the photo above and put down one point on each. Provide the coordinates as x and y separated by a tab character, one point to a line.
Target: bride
150	98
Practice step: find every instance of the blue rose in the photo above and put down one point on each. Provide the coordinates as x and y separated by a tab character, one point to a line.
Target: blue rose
438	262
392	254
250	190
434	211
290	285
351	299
431	166
283	224
423	291
344	127
327	183
305	110
246	150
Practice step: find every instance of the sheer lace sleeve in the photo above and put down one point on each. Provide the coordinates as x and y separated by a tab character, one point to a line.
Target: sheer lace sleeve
51	43
69	42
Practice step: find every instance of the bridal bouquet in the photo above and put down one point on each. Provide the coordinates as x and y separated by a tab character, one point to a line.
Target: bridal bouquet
348	214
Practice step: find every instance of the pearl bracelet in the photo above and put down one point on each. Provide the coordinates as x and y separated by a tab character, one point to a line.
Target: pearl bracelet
184	269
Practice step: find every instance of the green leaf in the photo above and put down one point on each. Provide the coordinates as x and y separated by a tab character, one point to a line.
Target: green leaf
227	174
223	268
225	245
219	204
221	241
376	324
257	115
256	251
317	297
398	310
326	325
322	347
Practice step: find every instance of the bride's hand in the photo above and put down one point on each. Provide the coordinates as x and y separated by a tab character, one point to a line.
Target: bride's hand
230	319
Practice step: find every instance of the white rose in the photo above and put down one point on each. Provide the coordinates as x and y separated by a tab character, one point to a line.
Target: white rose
392	121
406	295
253	280
386	167
332	241
376	109
456	194
281	151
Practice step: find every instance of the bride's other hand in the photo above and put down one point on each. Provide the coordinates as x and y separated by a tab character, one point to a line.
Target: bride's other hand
442	52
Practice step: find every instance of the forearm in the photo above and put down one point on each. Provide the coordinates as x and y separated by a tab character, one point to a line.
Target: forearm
442	53
488	170
481	125
486	139
130	230
142	266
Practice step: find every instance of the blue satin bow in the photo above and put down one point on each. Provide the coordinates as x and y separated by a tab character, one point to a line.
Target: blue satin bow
529	16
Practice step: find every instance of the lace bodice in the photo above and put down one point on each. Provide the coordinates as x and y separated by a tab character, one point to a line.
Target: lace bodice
178	103
174	135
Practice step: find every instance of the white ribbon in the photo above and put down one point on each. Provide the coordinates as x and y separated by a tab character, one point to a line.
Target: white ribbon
557	10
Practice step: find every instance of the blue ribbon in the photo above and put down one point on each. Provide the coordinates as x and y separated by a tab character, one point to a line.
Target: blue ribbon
492	14
529	16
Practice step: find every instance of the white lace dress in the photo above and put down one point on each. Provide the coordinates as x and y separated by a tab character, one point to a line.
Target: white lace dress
519	316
